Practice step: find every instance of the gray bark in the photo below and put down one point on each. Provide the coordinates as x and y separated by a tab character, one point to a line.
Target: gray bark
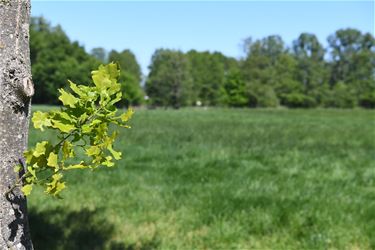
16	89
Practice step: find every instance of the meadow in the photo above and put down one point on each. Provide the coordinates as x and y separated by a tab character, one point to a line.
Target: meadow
222	179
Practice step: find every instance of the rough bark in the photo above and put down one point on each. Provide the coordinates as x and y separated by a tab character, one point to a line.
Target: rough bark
16	89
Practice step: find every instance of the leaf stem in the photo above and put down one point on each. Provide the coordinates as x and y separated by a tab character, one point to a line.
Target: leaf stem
17	184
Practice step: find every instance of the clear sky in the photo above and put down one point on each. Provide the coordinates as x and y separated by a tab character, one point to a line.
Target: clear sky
211	25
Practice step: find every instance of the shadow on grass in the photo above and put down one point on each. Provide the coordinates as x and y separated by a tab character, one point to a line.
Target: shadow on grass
85	229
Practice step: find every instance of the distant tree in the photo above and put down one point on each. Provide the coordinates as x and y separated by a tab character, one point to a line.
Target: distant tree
131	76
212	88
208	71
127	61
261	59
100	54
133	93
344	45
269	70
169	81
199	73
309	53
287	78
353	62
285	83
271	47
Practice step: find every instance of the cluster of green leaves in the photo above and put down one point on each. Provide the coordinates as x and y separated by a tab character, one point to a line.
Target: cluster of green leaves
131	74
82	124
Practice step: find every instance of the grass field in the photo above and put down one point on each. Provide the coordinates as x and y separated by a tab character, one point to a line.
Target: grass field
222	179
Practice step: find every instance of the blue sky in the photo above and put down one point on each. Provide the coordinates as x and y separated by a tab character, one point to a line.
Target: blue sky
210	25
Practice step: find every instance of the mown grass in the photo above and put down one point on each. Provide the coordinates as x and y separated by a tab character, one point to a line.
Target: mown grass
222	179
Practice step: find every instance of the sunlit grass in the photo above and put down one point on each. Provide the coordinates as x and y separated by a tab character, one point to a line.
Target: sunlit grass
223	179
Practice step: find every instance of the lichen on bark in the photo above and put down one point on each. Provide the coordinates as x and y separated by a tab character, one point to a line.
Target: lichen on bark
4	2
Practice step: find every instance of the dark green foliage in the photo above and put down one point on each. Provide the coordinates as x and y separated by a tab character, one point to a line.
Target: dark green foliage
133	93
235	94
340	96
208	71
271	73
298	100
169	82
271	70
310	70
262	56
353	56
368	100
263	96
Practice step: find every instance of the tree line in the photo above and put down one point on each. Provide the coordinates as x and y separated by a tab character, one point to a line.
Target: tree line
303	75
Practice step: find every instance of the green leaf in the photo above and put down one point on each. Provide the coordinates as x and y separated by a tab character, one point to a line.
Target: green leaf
41	119
65	116
59	187
76	166
52	160
67	99
83	117
65	128
95	122
86	128
105	79
127	115
93	150
26	190
108	162
116	155
31	170
40	148
67	149
101	78
111	71
79	91
28	156
116	99
17	168
55	186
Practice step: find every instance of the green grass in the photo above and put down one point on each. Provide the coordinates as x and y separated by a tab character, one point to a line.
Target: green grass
222	179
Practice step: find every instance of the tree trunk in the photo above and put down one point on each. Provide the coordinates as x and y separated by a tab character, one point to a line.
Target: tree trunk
16	89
